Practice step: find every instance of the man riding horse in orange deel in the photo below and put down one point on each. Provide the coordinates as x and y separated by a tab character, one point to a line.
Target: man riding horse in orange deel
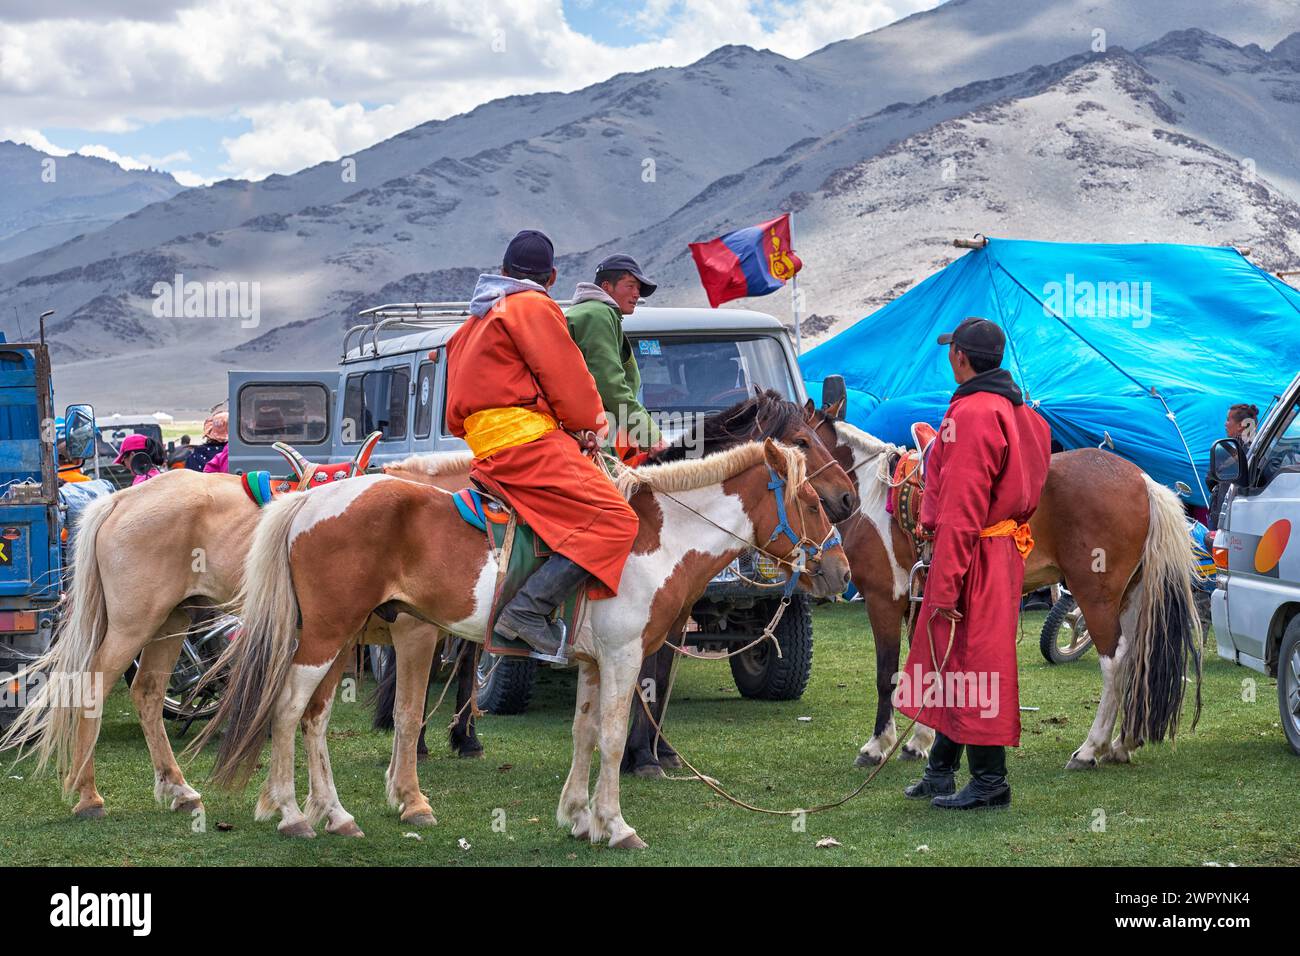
518	390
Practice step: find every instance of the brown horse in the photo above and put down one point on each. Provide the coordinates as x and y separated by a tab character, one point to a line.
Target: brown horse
1117	539
409	549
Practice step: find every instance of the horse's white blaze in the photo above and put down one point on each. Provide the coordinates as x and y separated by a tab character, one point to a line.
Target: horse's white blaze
873	493
332	500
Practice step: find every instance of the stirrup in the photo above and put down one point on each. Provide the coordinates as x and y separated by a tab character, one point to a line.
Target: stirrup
559	657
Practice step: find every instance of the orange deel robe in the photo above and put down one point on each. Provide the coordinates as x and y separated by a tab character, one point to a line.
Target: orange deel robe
520	354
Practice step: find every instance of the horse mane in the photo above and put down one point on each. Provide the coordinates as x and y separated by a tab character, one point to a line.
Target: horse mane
766	414
864	442
433	464
694	473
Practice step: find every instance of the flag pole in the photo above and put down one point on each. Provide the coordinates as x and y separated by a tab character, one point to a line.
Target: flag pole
794	298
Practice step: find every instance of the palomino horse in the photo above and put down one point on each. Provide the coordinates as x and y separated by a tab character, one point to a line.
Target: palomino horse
1116	538
145	560
765	415
409	549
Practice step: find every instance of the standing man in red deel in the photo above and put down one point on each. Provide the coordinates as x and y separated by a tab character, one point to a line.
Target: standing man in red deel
983	478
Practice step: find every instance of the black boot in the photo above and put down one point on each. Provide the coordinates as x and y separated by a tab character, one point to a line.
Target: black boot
527	617
988	785
937	780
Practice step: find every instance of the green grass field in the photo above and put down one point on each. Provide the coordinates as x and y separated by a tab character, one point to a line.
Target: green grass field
1226	794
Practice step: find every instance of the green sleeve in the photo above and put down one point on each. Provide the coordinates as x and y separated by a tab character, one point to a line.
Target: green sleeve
599	335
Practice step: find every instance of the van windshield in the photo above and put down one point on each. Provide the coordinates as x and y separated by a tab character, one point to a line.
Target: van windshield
707	373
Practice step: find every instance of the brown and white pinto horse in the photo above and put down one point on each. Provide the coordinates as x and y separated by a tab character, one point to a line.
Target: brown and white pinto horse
147	562
1117	539
408	548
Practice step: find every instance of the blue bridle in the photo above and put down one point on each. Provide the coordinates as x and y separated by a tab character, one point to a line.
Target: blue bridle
808	550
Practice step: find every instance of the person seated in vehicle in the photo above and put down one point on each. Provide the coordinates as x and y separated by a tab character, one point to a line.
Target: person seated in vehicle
596	324
216	431
518	392
1240	424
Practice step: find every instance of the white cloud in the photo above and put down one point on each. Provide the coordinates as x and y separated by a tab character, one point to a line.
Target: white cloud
301	70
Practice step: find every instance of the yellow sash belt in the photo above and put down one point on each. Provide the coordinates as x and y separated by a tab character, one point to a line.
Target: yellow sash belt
491	429
1010	528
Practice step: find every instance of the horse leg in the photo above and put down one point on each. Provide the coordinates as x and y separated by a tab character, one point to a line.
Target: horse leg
278	793
106	668
667	663
322	798
1122	747
919	744
154	672
618	670
886	616
1111	647
638	754
415	653
463	735
573	811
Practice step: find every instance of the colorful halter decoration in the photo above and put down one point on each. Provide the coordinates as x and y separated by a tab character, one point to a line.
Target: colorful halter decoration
262	488
807	549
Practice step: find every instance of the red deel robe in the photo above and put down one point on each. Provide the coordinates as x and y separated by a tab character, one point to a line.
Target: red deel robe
520	354
988	464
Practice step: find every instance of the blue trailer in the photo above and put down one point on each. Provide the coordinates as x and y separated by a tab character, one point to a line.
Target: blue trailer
31	523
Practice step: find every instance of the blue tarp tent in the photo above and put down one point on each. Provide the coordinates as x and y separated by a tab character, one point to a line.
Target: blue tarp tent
1149	343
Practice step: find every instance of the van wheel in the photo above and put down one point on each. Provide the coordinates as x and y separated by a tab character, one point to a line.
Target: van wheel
505	684
1288	683
760	674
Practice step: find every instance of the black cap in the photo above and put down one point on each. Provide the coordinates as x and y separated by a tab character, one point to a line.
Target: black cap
530	251
624	263
978	336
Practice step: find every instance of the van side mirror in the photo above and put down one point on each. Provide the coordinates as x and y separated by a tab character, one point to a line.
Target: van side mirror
79	431
835	397
1228	461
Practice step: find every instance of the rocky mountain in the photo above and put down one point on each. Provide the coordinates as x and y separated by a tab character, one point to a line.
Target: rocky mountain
48	200
1178	123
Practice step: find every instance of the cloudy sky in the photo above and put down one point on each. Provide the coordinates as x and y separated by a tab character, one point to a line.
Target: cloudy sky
212	89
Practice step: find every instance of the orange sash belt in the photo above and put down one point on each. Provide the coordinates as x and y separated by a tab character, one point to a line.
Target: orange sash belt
1010	528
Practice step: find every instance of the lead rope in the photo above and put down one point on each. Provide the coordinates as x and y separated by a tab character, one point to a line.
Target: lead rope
717	788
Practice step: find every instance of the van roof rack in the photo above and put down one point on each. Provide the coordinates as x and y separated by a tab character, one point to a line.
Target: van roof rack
406	317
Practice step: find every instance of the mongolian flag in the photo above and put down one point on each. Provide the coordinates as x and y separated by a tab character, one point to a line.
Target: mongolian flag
756	260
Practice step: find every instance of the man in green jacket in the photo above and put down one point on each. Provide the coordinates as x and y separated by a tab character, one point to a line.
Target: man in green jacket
596	324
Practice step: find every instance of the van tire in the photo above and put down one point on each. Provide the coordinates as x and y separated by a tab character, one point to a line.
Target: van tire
1288	683
761	675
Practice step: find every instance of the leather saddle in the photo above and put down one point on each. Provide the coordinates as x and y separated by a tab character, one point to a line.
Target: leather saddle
907	481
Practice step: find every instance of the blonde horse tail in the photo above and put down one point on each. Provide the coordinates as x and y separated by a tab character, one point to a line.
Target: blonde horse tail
259	660
1168	630
54	713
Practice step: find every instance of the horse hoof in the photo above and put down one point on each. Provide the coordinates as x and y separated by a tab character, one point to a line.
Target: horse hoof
188	806
300	829
866	760
671	761
95	812
651	771
348	829
470	754
420	820
910	753
1077	764
629	842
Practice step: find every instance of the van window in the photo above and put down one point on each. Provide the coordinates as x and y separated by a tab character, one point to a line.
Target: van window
689	373
424	387
1284	452
377	401
293	412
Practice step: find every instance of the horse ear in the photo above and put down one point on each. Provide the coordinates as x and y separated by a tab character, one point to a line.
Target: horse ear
809	410
835	412
774	457
362	460
299	464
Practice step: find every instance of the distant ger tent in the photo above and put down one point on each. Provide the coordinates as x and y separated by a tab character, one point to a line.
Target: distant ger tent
1146	343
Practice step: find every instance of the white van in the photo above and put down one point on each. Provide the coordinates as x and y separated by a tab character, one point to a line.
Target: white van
1256	606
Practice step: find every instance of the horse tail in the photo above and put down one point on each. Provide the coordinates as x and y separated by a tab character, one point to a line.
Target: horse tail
53	715
261	656
1168	629
384	698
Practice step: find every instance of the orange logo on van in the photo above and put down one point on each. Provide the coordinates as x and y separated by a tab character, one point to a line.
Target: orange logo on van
1271	545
